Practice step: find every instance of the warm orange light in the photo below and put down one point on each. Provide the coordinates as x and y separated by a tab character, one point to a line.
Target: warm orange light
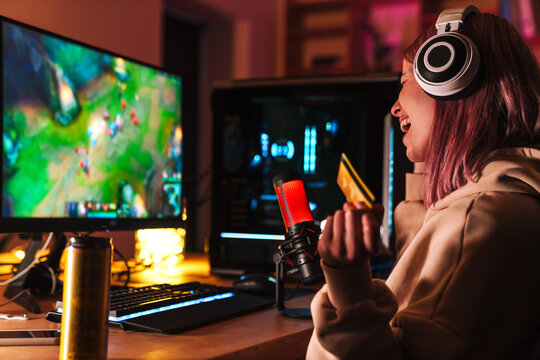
19	254
172	260
155	246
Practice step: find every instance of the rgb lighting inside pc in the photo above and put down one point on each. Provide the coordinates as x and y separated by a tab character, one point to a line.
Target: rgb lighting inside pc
263	128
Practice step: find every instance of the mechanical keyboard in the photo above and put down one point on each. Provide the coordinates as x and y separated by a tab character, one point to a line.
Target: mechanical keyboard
174	308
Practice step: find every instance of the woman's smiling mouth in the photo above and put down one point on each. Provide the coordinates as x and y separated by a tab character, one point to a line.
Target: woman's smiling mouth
404	123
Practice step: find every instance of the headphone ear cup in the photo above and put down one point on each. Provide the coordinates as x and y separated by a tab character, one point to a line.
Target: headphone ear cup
446	64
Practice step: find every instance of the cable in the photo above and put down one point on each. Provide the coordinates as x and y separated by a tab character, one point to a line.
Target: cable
16	296
11	316
53	279
295	290
127	266
36	259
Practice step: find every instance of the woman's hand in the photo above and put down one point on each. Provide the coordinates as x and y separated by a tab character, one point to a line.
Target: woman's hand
351	235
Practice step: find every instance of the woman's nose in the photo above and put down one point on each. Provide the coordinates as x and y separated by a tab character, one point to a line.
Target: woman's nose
396	108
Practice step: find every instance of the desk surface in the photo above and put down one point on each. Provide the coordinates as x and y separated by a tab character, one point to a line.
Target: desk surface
265	334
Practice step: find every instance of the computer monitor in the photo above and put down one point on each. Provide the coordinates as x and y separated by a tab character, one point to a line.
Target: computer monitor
91	140
267	127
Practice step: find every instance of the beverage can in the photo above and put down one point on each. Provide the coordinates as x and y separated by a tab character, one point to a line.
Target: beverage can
86	298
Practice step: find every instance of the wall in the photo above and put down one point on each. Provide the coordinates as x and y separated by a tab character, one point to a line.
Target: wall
240	39
215	56
256	34
128	27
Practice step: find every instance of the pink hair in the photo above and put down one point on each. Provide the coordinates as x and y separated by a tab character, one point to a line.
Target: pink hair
502	111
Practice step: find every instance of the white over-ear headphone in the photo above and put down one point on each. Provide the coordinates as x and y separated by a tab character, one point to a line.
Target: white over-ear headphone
447	63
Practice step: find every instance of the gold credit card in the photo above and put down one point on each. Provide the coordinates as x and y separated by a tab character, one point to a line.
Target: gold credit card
351	184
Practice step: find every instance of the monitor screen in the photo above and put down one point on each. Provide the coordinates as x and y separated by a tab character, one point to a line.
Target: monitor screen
266	128
91	140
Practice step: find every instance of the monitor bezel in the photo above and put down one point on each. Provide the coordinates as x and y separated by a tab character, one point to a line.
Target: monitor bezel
66	224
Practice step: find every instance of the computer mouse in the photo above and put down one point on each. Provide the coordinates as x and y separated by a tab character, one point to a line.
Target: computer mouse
259	284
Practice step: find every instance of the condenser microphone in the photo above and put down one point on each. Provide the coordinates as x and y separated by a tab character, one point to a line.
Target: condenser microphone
299	249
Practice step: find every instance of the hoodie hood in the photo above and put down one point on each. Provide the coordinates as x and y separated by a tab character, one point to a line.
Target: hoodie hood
506	170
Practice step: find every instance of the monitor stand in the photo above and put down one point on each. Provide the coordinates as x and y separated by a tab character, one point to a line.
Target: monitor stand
41	279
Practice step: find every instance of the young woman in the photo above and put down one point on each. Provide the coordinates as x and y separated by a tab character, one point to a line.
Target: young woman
466	284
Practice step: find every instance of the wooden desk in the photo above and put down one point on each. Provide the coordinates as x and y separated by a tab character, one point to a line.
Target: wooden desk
265	334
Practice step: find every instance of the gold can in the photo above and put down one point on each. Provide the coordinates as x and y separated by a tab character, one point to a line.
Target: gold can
86	298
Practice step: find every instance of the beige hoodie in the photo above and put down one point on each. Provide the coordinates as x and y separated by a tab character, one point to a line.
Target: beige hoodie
466	284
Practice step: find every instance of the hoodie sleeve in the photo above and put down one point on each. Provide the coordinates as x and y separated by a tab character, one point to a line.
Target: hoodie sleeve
457	287
348	317
467	281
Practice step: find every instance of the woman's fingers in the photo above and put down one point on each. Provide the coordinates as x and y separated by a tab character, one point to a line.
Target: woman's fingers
329	244
353	238
325	240
338	246
351	234
332	247
348	206
371	232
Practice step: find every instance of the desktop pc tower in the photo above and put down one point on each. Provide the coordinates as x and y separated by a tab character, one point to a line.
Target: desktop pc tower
263	128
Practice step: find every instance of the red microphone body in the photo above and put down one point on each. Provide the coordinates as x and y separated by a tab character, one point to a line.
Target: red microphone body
299	249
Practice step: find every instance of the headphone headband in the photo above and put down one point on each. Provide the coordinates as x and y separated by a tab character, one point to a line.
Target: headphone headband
452	19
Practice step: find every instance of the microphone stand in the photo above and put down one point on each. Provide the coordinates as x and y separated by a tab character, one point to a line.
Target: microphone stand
297	313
